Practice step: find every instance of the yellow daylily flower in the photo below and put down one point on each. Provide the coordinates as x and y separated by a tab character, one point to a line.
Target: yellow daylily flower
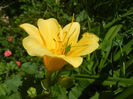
58	46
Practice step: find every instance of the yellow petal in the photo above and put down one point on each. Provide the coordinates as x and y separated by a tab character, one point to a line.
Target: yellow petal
91	36
32	31
35	48
49	30
71	32
87	44
74	61
57	62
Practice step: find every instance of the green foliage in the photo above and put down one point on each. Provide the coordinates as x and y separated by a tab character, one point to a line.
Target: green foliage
29	68
106	73
95	96
58	92
107	43
126	49
75	93
126	94
15	95
11	86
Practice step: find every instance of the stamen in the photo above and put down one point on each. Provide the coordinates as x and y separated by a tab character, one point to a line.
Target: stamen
73	18
58	36
61	46
69	30
54	39
80	45
65	36
71	23
66	32
55	43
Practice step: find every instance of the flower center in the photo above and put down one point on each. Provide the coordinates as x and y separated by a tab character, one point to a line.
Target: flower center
62	46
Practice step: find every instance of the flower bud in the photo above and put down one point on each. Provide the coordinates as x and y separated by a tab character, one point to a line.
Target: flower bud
10	39
66	82
7	53
18	63
32	92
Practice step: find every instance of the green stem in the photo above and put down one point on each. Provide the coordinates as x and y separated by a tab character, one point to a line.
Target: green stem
48	79
46	84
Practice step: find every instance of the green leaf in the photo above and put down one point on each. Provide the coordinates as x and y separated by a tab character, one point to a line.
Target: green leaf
12	83
125	82
129	12
129	62
126	94
2	90
82	16
58	92
106	95
107	43
77	90
15	96
127	49
3	97
110	35
29	68
96	96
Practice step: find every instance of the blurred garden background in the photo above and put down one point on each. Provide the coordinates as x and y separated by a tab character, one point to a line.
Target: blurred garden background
107	73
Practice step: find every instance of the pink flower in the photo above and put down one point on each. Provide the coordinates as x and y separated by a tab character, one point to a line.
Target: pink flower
7	53
18	63
10	39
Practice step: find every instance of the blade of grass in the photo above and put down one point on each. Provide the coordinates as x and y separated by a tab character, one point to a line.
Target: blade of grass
130	12
109	81
127	49
125	94
129	62
107	43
